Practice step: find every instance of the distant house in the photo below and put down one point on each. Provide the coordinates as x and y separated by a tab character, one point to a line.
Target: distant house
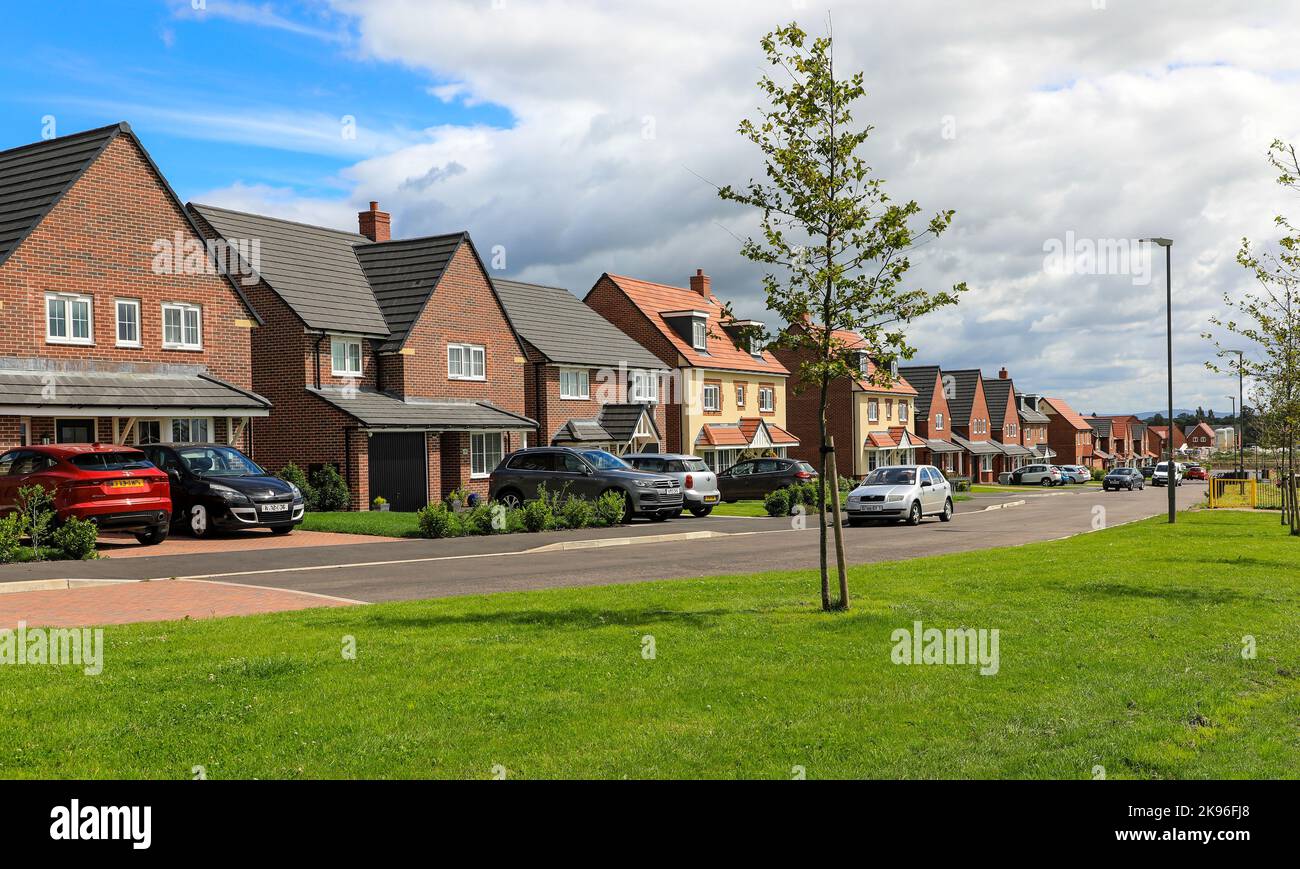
1121	441
1068	434
586	383
1159	433
872	425
1200	439
1034	424
932	420
1004	423
972	430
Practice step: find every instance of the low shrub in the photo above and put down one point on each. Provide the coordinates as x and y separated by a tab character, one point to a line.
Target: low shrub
537	514
36	508
291	473
608	510
577	513
437	521
75	539
1098	473
330	492
959	484
778	503
11	538
477	521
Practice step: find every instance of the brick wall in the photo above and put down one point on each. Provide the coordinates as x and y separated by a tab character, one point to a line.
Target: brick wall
802	400
542	396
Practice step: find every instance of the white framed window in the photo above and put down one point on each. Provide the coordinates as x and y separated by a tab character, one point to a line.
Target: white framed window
148	431
69	319
575	383
645	387
755	346
345	357
766	399
712	397
699	334
182	326
873	410
986	463
466	362
192	430
889	408
740	395
484	454
128	322
938	422
902	411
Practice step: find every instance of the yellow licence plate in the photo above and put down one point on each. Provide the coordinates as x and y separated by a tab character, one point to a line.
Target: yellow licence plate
127	484
709	499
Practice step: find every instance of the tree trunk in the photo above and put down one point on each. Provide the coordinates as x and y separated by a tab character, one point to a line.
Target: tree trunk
821	498
838	519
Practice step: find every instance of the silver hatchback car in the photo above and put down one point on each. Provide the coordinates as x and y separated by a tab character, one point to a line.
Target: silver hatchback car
699	484
908	492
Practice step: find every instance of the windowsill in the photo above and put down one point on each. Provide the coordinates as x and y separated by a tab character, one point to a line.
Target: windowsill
347	375
73	342
129	345
471	379
479	476
575	398
182	348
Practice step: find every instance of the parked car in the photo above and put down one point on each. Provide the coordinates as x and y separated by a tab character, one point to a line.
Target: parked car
1161	475
908	492
115	487
1075	474
1123	478
1195	472
699	485
215	487
1037	475
587	473
755	478
1147	471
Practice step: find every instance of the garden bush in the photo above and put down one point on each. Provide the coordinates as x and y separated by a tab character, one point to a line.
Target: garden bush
330	492
477	521
11	538
778	503
538	515
437	521
577	513
291	473
609	509
36	509
1098	473
75	539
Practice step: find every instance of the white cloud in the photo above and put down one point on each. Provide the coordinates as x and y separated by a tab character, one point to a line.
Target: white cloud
1136	120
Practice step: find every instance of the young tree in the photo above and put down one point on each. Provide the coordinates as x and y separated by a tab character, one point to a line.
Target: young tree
1269	318
840	242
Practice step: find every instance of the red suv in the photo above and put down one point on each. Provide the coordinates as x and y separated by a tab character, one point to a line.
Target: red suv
114	487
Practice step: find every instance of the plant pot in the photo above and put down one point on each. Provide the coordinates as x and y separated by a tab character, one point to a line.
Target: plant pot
382	508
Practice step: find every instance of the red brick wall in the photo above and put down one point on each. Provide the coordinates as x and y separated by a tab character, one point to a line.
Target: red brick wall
542	396
801	415
98	241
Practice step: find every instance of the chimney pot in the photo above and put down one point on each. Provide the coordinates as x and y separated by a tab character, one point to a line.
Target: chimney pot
700	284
1002	374
375	224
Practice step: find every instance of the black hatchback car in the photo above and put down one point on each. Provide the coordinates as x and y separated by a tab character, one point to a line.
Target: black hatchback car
216	487
755	478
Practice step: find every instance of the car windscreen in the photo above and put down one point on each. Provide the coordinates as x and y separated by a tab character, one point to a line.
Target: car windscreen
605	461
219	462
124	461
688	465
891	477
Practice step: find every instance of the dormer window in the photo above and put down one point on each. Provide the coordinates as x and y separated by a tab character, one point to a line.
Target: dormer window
699	335
864	366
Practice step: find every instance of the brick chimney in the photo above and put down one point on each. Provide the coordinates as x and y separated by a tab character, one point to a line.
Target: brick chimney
374	223
700	283
1002	374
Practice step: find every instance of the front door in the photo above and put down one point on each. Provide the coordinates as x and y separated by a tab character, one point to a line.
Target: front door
398	472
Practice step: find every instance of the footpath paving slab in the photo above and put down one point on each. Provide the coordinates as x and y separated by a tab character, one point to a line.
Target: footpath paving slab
126	546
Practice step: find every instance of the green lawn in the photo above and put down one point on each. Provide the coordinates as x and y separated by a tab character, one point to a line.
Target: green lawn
1120	649
372	522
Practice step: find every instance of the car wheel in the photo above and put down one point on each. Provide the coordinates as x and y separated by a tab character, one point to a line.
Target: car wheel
914	514
282	530
1045	482
154	535
510	499
946	515
701	512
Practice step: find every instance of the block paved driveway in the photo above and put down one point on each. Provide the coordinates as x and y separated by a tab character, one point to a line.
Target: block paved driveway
262	580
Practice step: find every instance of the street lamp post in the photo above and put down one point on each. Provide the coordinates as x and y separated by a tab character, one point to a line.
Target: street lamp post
1171	477
1240	409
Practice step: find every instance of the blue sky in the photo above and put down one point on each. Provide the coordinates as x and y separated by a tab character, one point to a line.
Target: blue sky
208	93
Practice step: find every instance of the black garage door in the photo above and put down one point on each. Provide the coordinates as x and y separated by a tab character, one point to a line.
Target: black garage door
397	470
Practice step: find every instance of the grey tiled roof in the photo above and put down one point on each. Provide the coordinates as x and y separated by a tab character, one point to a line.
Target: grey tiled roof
1100	425
381	410
402	276
620	420
922	378
582	431
314	269
963	398
1028	414
997	392
103	390
34	178
978	448
564	329
942	446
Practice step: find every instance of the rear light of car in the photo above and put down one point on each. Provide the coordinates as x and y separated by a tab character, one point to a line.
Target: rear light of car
803	475
690	481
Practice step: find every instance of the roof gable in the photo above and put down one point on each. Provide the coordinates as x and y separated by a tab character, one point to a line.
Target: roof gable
563	329
925	379
403	275
1067	413
1000	394
967	384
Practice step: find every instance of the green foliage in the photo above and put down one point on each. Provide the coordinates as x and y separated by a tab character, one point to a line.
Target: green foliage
1098	473
477	521
576	513
11	537
537	514
75	539
438	521
777	503
609	509
36	507
379	501
291	473
330	492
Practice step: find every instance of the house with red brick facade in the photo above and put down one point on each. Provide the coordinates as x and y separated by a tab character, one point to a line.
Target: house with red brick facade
870	418
586	383
1122	441
392	360
1158	434
932	419
1199	439
971	423
1068	434
1004	424
1033	427
119	325
725	396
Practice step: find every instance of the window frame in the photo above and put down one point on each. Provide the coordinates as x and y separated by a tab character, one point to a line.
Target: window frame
699	334
583	374
716	389
347	342
641	379
208	423
740	395
873	410
770	392
902	410
480	452
118	304
463	348
938	421
184	308
68	300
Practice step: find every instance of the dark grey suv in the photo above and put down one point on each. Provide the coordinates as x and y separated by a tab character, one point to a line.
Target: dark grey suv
588	473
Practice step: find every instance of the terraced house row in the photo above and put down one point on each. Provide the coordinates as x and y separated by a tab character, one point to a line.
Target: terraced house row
403	362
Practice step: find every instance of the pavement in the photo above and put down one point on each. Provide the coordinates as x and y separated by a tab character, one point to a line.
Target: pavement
126	546
414	569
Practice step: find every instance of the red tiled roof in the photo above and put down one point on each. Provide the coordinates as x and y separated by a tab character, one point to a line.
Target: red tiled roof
780	436
852	340
657	299
749	427
1067	413
717	434
881	439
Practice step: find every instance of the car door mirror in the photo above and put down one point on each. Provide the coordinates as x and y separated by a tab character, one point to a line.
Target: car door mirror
926	484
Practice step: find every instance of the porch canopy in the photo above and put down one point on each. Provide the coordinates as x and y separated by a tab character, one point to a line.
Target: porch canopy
940	446
624	427
752	433
977	448
124	394
1013	450
1043	451
379	410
